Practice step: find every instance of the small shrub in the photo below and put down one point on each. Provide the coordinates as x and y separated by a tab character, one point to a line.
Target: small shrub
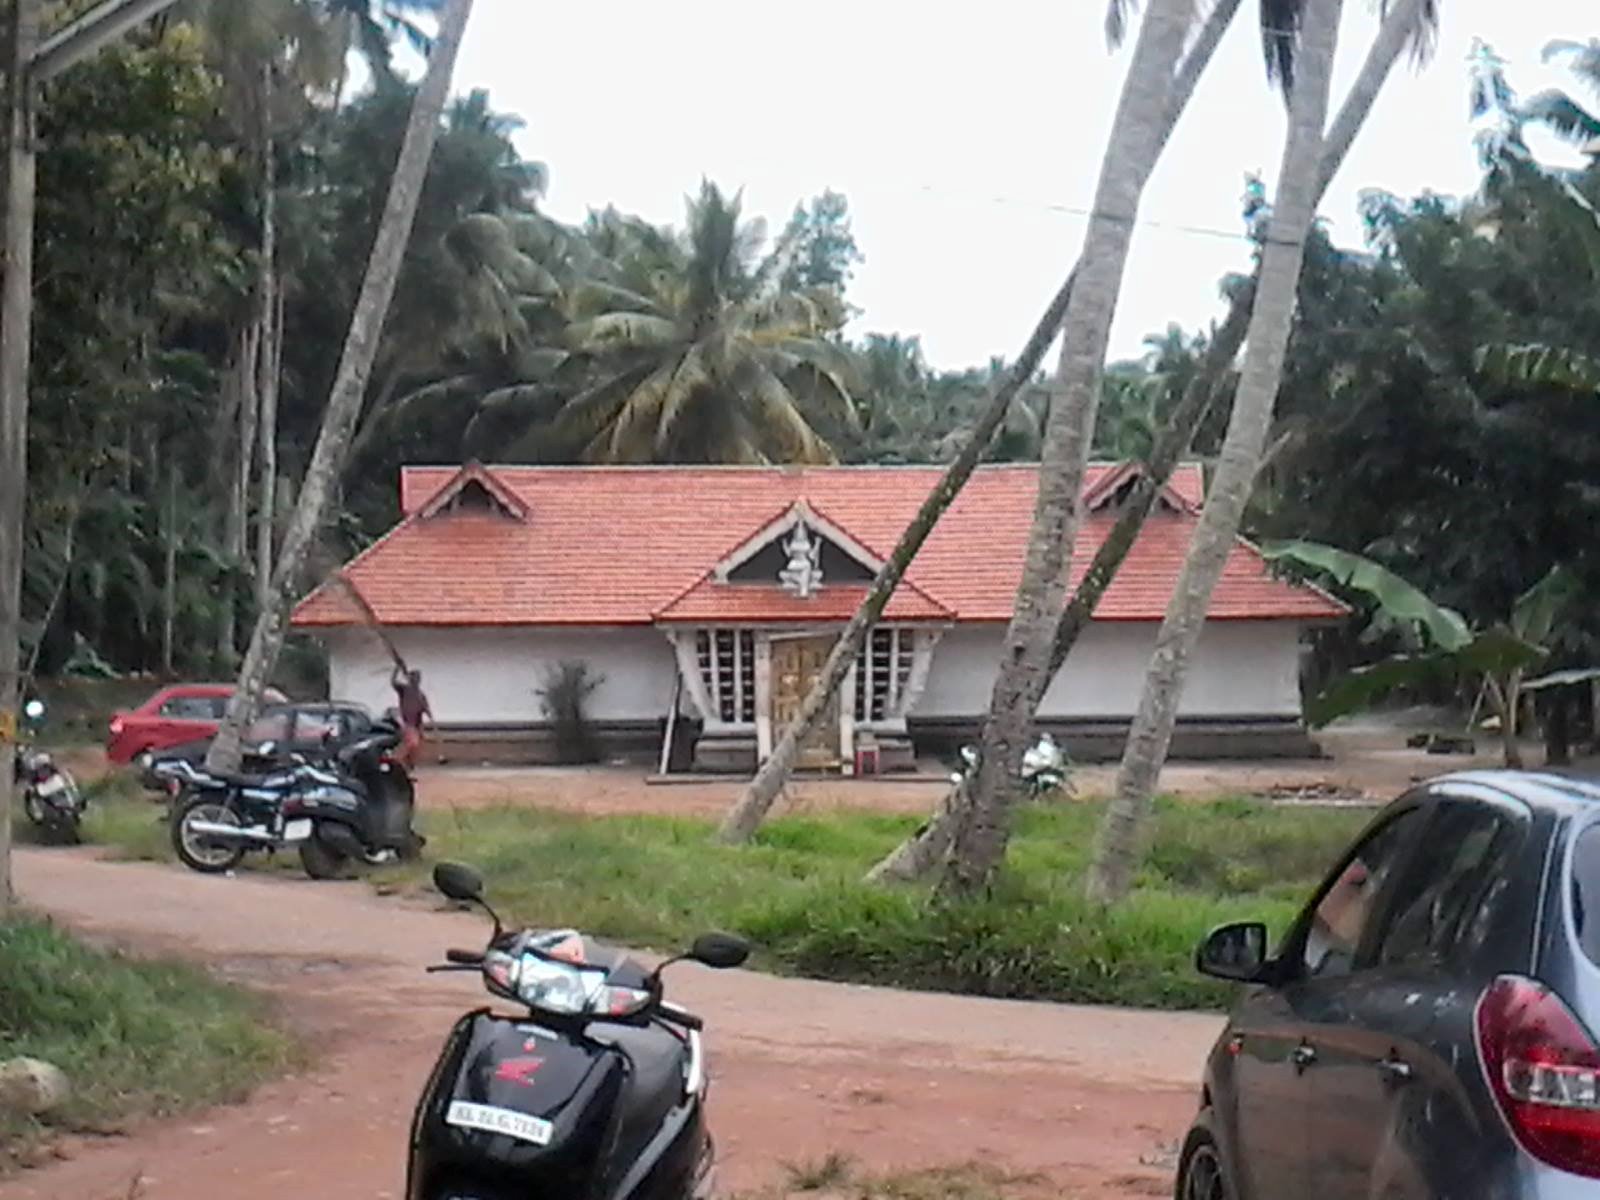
566	689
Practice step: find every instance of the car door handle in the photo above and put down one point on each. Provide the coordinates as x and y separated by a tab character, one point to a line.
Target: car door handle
1395	1070
1303	1056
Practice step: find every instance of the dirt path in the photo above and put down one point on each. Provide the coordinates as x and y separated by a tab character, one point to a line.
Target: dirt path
1088	1097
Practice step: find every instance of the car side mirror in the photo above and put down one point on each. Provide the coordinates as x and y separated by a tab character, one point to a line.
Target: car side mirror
719	950
1235	952
458	882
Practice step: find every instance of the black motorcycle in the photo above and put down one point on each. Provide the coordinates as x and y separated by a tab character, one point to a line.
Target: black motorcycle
355	806
50	795
597	1093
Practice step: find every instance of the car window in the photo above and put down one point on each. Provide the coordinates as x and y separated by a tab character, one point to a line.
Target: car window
1586	892
218	706
269	727
311	727
1343	913
1463	850
187	708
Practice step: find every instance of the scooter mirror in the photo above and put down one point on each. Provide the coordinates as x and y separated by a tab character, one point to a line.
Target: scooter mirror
719	950
458	882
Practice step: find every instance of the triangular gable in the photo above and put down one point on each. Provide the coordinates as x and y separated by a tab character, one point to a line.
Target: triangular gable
780	526
1112	487
476	487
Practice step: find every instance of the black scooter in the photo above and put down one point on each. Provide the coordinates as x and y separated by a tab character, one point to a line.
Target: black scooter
355	807
597	1094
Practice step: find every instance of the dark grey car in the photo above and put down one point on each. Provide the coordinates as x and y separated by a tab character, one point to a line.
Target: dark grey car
1425	1029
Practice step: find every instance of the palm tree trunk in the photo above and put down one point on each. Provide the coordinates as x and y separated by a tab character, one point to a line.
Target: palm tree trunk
355	366
983	827
169	577
238	515
925	849
757	799
1111	872
19	41
745	817
69	541
270	351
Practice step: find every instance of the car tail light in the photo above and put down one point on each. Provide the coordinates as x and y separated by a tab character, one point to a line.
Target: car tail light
1544	1069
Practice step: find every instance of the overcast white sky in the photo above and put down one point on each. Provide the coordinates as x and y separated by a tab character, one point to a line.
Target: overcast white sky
957	133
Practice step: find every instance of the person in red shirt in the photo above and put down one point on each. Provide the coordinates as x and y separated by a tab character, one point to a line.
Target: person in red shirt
414	711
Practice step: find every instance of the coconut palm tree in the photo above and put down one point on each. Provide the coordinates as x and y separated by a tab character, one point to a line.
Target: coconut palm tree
1160	82
699	353
1408	23
1556	110
355	367
1301	181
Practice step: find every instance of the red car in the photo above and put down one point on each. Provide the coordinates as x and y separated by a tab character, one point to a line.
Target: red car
184	712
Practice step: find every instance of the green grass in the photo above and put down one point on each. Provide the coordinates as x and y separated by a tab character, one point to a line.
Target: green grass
796	892
121	815
655	881
136	1038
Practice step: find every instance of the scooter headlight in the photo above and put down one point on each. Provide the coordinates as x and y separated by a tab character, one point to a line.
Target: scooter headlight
558	987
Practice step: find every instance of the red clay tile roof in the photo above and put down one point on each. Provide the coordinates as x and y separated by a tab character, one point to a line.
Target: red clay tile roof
709	602
622	545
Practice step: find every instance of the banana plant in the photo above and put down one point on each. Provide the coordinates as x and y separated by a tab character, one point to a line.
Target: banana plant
1443	645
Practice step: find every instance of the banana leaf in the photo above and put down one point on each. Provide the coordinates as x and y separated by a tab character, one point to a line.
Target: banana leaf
1562	678
1535	613
1495	651
1399	602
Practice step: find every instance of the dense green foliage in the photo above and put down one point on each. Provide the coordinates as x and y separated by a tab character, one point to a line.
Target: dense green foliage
136	1038
1431	412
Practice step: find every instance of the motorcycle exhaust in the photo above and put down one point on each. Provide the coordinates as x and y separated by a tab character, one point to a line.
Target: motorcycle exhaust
218	830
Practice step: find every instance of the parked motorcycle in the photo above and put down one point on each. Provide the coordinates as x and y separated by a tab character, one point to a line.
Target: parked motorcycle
354	807
51	797
1044	768
599	1092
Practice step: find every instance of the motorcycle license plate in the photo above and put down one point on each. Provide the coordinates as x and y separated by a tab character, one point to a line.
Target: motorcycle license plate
51	786
297	831
489	1119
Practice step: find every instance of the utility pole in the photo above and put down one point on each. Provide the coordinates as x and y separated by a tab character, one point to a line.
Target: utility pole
27	64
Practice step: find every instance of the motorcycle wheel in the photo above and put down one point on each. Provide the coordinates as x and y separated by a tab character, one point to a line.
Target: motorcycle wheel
195	850
322	861
34	808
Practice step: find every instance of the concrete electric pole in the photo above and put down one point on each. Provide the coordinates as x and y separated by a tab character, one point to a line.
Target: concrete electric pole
28	63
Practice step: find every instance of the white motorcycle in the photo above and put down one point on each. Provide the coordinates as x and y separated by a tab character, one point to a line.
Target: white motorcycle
1045	768
51	797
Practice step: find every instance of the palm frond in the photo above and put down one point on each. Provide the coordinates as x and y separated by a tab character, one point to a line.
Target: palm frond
775	415
1280	39
1117	14
1582	58
1562	116
588	414
688	375
614	330
1535	365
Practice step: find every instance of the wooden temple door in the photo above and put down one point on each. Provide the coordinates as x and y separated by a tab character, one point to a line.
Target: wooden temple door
796	665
